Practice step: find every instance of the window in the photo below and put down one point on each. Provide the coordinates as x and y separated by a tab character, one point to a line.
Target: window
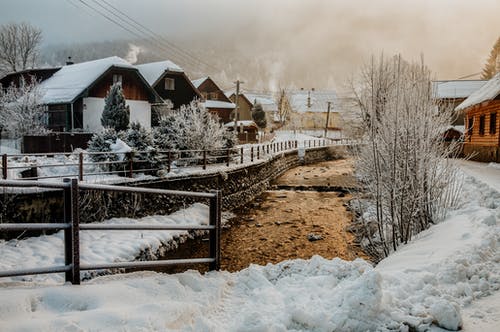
470	125
169	84
481	124
117	78
213	95
493	123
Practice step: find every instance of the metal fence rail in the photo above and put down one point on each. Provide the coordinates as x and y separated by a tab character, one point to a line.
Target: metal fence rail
71	190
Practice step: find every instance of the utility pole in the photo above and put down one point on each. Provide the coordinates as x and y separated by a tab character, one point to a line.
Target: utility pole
238	82
327	118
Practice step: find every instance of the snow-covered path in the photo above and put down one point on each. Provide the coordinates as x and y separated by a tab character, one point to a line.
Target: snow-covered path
448	276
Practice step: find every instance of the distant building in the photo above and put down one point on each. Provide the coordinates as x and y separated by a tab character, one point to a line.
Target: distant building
28	75
270	107
310	110
482	130
75	94
452	93
214	99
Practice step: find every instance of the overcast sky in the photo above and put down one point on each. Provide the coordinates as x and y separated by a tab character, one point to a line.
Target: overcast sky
337	35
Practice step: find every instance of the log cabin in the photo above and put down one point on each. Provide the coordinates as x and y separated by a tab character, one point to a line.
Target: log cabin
75	94
482	126
170	82
29	75
214	99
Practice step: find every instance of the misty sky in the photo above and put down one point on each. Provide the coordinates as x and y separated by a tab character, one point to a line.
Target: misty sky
316	37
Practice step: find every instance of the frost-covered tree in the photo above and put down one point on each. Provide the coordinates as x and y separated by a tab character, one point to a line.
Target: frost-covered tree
492	66
259	116
141	141
21	110
403	164
19	46
191	128
101	142
116	113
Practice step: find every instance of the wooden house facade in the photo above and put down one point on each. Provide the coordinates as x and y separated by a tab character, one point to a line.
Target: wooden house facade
482	124
74	95
170	82
245	107
215	101
28	75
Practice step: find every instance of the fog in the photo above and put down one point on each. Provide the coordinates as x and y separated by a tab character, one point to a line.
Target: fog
283	43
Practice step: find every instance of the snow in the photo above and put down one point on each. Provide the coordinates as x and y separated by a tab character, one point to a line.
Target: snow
245	123
265	100
457	88
199	81
218	104
155	70
72	80
445	278
318	100
488	91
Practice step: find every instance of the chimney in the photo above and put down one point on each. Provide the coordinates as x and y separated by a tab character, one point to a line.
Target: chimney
69	62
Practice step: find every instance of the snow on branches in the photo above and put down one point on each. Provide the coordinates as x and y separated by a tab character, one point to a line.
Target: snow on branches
403	165
116	113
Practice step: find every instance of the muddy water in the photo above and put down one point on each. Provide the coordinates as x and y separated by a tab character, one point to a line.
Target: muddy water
289	224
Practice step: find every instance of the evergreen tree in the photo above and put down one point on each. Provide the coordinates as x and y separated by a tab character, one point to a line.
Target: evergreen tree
259	116
116	113
492	66
101	142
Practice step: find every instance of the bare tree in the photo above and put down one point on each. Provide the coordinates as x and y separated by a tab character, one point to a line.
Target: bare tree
403	165
19	46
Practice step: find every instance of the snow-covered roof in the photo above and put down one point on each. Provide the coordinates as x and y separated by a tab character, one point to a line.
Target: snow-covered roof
218	104
154	70
244	123
71	80
460	129
457	88
318	103
265	100
199	81
488	91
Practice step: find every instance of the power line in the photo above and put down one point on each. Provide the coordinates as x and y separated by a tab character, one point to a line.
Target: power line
127	26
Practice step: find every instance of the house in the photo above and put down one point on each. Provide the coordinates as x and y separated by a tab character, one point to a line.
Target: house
75	94
170	82
270	107
310	110
482	126
245	106
454	92
247	130
28	75
214	99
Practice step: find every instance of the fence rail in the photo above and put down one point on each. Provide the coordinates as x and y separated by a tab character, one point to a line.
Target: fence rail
71	190
128	164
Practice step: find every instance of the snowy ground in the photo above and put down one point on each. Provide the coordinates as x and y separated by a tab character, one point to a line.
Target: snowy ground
448	276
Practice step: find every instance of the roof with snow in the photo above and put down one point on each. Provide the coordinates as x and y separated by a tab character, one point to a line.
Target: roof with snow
265	100
71	81
155	70
489	91
244	123
218	104
457	88
199	81
318	102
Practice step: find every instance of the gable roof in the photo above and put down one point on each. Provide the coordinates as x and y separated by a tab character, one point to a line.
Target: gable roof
200	81
153	71
266	101
318	103
456	88
489	91
71	81
40	74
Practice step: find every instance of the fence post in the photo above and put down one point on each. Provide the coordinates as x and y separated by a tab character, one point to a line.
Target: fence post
169	159
72	234
258	152
227	157
130	156
251	154
241	157
296	144
267	146
281	146
80	166
68	252
204	159
4	166
214	243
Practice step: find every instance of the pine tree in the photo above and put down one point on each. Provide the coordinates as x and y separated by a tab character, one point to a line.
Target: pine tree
116	113
259	116
492	66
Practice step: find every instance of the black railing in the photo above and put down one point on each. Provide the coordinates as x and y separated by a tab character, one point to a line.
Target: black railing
71	190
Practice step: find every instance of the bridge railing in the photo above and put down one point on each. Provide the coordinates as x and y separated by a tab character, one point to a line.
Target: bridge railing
72	227
85	165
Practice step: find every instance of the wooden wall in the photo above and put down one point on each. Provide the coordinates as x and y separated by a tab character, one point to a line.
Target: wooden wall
133	87
183	92
473	137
